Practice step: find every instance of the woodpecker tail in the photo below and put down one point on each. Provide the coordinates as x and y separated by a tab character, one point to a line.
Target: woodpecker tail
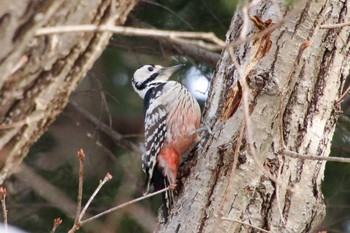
160	182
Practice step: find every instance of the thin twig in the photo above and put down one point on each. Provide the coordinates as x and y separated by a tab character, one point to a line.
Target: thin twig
130	31
337	25
249	133
22	61
116	137
246	224
245	16
81	156
161	46
56	223
3	193
108	177
341	98
176	36
253	37
248	128
278	196
297	155
235	158
283	92
124	205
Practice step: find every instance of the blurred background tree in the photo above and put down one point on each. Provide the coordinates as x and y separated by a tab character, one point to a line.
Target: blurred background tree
106	95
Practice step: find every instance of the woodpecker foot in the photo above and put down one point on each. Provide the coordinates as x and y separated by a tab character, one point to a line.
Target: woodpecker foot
172	186
205	128
209	130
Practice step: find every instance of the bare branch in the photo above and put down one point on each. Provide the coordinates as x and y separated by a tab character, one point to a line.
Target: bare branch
81	156
341	98
22	61
131	31
116	137
255	35
243	72
337	25
56	223
297	155
159	46
235	157
246	224
124	205
283	91
46	190
108	177
278	196
248	128
189	38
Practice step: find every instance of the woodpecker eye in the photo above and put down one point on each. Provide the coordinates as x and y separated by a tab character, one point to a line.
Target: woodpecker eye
150	68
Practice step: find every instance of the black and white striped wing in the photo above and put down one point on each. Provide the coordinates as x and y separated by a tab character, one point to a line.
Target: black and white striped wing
155	131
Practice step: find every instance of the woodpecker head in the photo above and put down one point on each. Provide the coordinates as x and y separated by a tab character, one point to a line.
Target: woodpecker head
149	75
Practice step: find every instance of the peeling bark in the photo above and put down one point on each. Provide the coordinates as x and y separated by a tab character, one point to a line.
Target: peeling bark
313	78
39	73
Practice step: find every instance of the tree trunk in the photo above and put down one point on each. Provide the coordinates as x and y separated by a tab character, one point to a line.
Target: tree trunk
39	73
303	72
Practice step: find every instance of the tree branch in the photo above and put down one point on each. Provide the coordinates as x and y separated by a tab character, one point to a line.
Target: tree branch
246	224
162	47
131	31
116	137
296	155
124	205
337	25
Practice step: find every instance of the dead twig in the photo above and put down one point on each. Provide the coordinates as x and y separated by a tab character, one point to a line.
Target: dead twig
108	177
131	31
283	91
341	98
235	158
278	196
248	129
246	224
81	156
192	38
56	223
243	73
21	62
337	25
80	213
249	133
124	205
296	155
116	137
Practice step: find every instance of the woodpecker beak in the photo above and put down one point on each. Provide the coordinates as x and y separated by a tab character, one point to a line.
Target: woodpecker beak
166	72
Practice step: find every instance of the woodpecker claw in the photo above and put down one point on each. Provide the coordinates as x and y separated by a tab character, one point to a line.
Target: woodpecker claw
209	130
173	186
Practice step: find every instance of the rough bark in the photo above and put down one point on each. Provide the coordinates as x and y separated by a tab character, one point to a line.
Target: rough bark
39	73
313	78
